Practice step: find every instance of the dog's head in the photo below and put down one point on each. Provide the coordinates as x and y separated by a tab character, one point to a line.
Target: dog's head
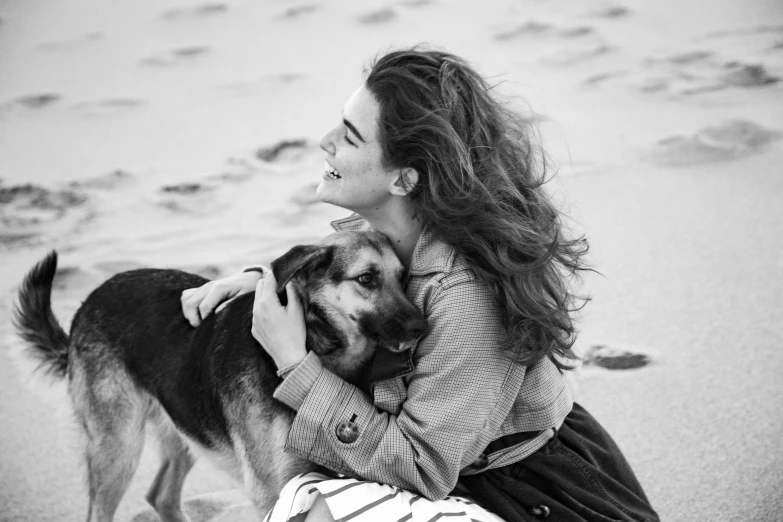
351	289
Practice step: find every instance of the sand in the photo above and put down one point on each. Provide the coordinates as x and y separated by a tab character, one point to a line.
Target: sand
184	134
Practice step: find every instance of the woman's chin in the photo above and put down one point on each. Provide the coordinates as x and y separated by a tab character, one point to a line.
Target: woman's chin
323	193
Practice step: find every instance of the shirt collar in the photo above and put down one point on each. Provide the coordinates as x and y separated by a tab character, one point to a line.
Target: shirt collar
429	255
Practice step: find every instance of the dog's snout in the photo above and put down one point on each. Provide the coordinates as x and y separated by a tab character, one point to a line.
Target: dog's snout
406	327
416	326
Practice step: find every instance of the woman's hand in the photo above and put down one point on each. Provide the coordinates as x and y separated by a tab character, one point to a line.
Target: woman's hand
198	303
279	329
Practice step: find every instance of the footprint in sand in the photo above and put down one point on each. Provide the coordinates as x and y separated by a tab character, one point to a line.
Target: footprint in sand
744	75
728	141
612	11
29	211
613	358
528	29
381	16
25	205
578	55
286	151
590	43
189	198
195	12
185	188
34	101
577	32
176	56
689	57
17	240
596	79
533	29
732	74
298	11
699	71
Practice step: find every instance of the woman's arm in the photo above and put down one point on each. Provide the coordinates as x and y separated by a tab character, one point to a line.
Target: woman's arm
459	393
198	303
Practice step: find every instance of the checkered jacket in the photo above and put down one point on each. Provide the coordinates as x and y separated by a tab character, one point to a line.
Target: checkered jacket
434	408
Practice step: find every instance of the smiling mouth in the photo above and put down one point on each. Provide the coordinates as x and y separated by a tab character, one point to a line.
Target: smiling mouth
331	172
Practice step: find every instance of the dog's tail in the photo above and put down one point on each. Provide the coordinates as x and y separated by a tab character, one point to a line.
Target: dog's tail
35	322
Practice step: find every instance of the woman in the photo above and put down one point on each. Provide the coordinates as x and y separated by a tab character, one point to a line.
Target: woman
482	407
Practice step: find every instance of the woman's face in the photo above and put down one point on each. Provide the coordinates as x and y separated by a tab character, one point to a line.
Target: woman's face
354	177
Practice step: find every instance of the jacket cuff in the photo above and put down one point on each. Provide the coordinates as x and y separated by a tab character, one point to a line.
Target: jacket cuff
297	385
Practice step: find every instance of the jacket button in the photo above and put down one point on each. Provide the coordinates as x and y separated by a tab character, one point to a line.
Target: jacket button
540	511
347	432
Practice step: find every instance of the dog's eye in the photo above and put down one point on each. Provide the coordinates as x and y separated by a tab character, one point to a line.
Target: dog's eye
366	279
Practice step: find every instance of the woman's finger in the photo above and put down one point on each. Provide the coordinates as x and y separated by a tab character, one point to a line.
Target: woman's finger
224	304
259	292
294	303
216	295
268	290
190	300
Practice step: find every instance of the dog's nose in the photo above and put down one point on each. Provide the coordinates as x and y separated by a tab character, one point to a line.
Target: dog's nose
406	328
416	326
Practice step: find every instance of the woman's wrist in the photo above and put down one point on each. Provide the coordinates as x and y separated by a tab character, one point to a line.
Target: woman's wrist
288	362
294	390
285	371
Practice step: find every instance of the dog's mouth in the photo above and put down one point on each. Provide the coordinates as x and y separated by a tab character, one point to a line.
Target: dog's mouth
396	347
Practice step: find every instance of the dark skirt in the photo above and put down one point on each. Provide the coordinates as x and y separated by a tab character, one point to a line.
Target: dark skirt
578	475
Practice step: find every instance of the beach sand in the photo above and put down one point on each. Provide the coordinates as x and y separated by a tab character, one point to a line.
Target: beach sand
184	134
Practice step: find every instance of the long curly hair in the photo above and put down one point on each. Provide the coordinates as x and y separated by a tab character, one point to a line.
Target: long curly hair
481	189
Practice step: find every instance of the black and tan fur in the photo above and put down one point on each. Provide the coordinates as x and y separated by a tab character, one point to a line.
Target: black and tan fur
133	360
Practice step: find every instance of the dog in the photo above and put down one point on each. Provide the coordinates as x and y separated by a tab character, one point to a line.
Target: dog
132	360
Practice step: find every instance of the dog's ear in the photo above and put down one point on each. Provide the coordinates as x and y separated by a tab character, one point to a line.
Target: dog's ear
308	258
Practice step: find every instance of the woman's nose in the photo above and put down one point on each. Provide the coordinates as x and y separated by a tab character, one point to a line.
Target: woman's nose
327	142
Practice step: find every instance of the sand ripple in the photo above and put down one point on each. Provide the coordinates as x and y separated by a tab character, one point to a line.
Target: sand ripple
613	358
727	141
283	151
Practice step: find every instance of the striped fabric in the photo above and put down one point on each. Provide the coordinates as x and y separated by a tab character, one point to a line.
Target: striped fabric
432	410
363	501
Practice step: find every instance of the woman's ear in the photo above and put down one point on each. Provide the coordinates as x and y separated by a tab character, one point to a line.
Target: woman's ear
405	182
